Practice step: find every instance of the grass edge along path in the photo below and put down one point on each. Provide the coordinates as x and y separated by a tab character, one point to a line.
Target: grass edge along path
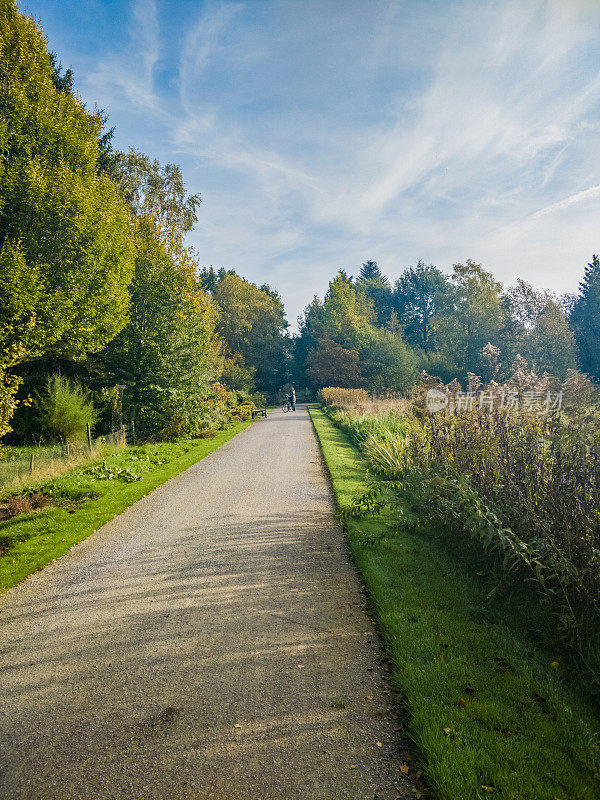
42	537
488	713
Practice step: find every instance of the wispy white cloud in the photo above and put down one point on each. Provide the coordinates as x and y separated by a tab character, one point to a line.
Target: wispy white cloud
587	194
501	99
126	77
440	130
201	45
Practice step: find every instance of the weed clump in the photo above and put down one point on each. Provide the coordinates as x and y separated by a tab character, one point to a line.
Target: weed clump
66	410
22	503
522	484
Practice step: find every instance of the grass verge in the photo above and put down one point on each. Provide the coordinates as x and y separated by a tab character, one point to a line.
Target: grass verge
490	713
88	496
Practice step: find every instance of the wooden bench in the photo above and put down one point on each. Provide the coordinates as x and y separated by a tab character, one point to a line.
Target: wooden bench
259	412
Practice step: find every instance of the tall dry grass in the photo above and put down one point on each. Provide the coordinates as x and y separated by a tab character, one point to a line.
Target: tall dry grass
524	484
358	401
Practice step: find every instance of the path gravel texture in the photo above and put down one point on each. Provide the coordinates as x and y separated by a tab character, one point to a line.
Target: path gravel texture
210	643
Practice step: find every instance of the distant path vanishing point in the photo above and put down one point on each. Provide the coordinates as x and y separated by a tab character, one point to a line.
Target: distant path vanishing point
209	643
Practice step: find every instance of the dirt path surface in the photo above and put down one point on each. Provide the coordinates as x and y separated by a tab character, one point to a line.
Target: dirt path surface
209	643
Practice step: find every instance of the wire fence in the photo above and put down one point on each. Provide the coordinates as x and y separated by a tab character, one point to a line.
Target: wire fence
19	463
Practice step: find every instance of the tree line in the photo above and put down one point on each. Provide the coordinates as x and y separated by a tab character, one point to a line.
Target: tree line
96	282
368	333
97	285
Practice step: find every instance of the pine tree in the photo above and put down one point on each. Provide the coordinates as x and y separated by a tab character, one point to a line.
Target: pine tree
585	319
376	287
370	271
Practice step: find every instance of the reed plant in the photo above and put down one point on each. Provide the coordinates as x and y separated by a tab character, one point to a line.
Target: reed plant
524	485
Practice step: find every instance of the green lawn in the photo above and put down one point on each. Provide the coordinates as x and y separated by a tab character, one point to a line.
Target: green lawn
490	714
30	541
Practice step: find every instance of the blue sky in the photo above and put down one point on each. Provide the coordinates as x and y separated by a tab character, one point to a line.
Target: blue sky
322	133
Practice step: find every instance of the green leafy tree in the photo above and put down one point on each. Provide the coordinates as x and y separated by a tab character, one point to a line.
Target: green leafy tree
387	364
155	191
311	327
536	327
585	319
475	316
330	364
527	303
342	318
237	375
66	244
252	323
550	344
347	314
421	293
168	354
339	345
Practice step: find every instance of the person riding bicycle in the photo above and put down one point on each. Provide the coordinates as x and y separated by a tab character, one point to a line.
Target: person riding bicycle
292	398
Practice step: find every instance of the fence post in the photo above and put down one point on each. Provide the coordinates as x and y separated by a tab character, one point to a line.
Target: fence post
133	433
89	434
31	463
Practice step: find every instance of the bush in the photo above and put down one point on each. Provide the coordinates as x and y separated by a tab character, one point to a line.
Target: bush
66	409
523	485
388	364
18	504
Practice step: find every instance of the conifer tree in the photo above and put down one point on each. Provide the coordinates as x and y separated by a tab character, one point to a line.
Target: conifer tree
585	319
370	271
375	286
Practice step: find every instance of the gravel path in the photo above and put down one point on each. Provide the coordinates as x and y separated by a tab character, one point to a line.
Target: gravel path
209	643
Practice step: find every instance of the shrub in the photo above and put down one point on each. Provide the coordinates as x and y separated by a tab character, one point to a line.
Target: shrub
259	400
524	485
39	500
66	409
388	364
18	504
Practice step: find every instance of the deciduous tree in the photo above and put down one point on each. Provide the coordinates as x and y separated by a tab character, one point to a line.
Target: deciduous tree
550	344
474	317
252	323
387	364
330	363
421	293
66	245
167	355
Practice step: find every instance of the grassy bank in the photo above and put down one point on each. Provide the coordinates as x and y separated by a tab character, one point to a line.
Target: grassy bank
88	496
491	713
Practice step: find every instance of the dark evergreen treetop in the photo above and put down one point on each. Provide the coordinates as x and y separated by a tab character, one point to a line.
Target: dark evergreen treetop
585	319
63	82
591	274
370	271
